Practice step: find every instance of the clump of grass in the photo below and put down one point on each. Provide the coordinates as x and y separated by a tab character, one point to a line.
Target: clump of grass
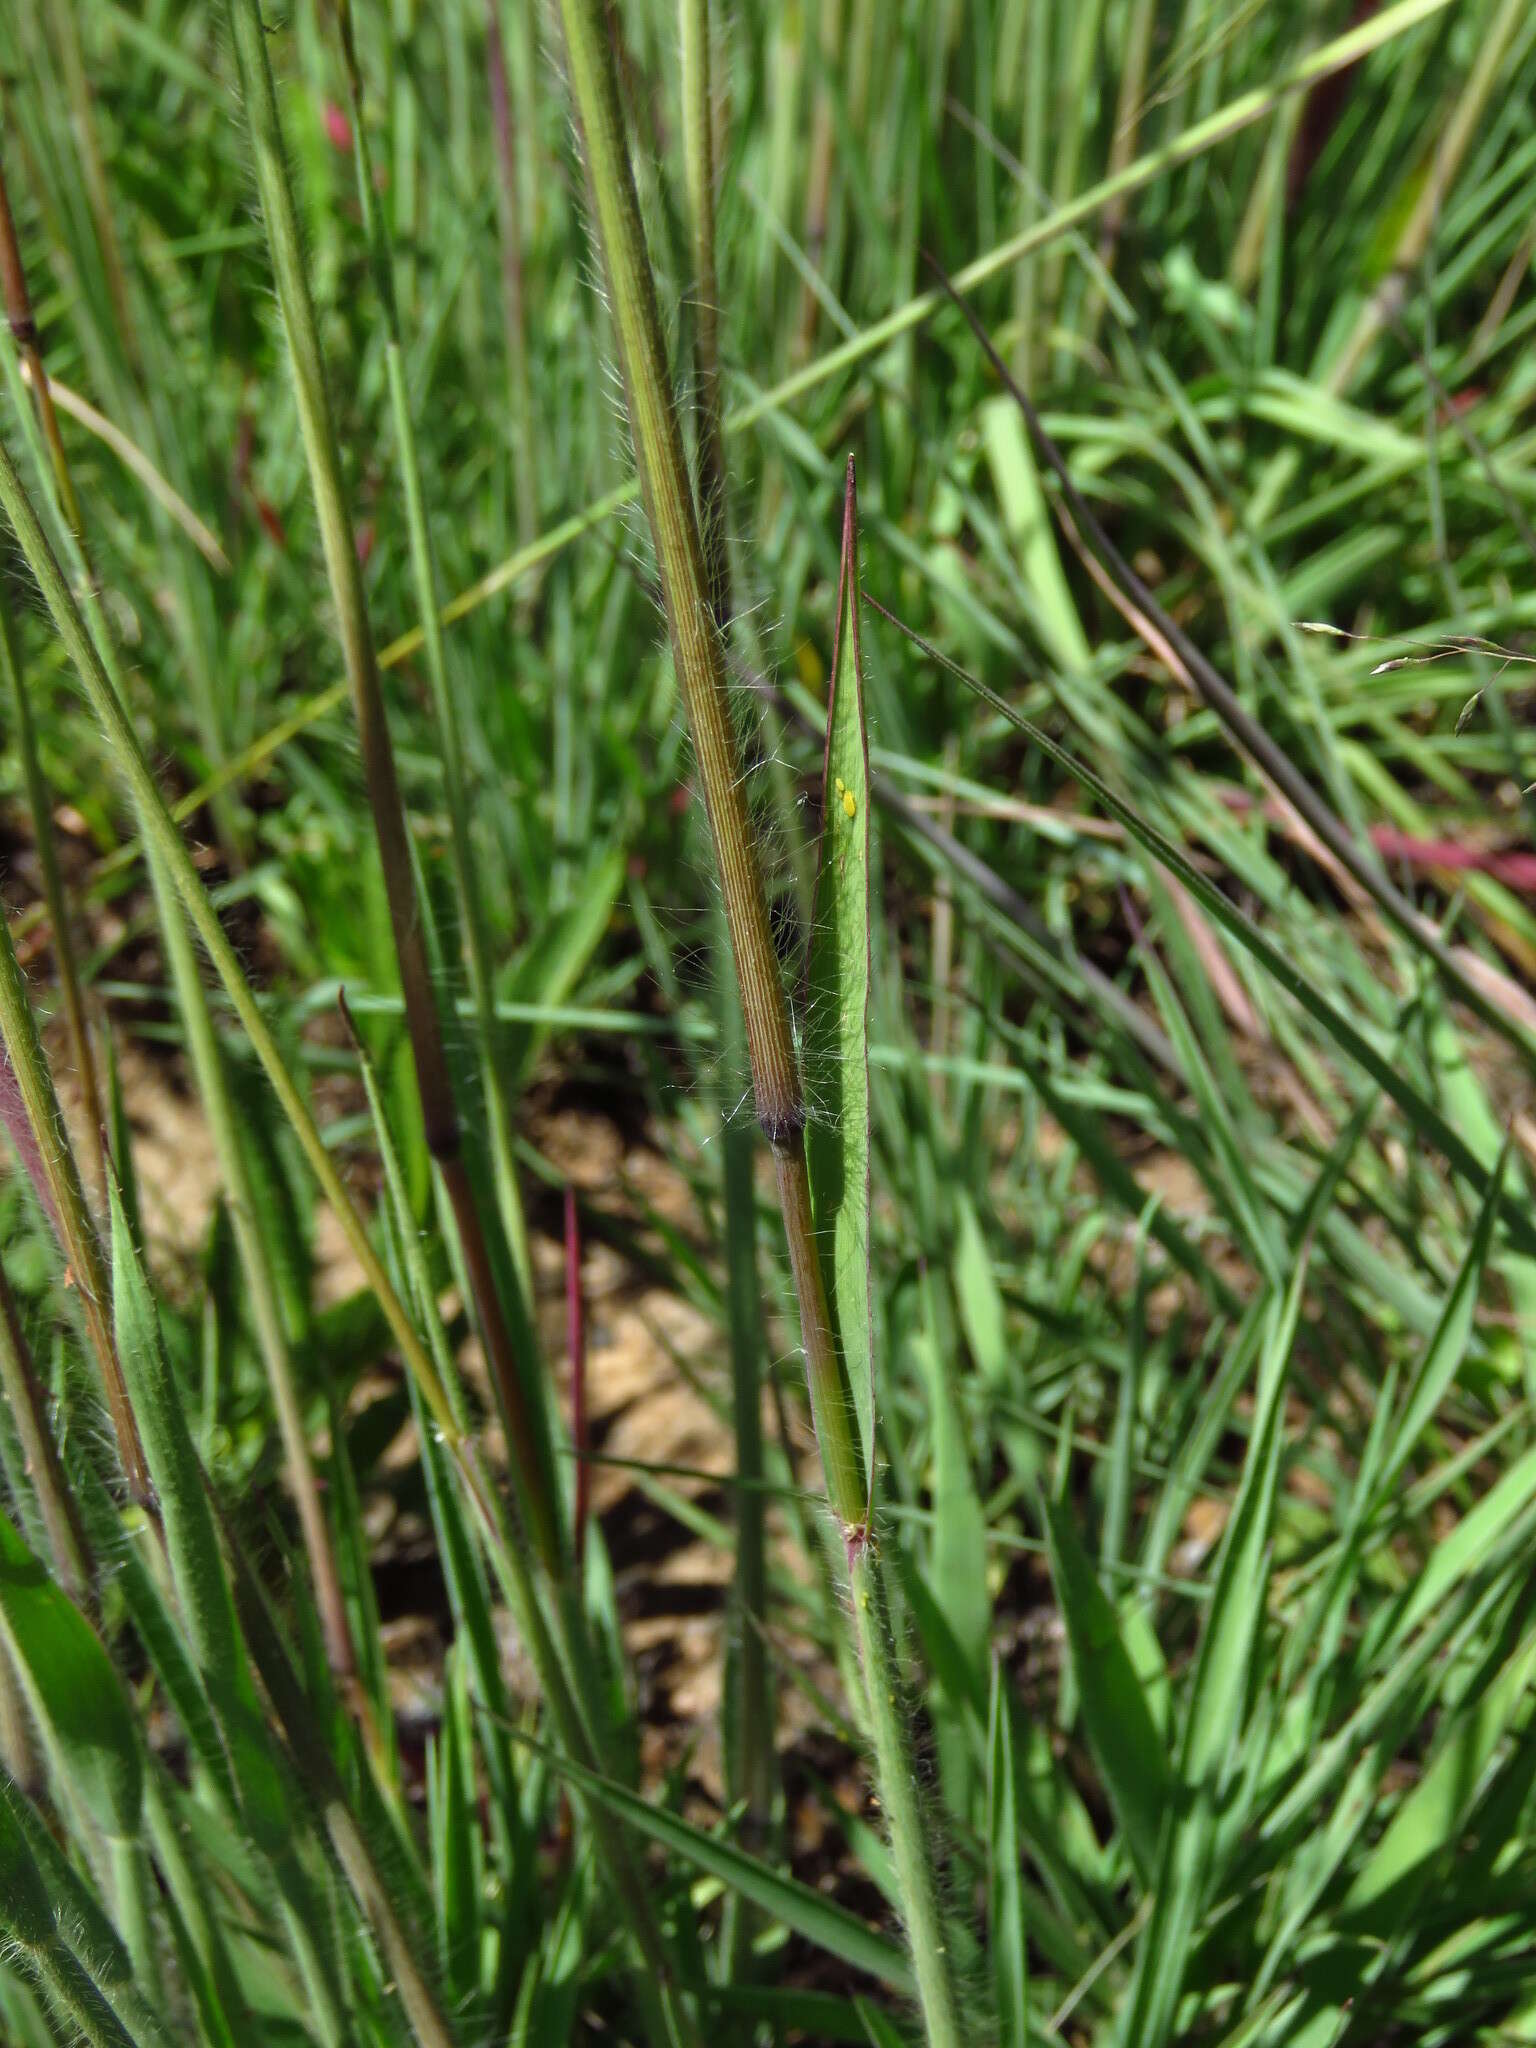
1149	1164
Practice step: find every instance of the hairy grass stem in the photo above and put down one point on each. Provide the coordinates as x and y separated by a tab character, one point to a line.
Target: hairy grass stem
699	655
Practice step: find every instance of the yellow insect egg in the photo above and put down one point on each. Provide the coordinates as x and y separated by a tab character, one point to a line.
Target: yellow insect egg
839	784
850	803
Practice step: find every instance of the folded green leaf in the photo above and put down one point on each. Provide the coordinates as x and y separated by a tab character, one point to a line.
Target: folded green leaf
836	1049
1121	1732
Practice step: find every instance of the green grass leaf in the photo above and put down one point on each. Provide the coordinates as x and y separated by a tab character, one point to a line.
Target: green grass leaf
75	1689
1447	1348
1009	1949
1130	1753
192	1544
836	1036
819	1919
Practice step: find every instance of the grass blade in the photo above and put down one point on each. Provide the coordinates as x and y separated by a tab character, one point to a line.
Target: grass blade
1447	1348
1130	1752
820	1920
836	1039
1005	1842
75	1689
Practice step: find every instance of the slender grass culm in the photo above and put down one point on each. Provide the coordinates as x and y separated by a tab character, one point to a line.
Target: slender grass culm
517	1384
698	652
500	1311
748	1691
467	881
197	1022
28	1084
668	2019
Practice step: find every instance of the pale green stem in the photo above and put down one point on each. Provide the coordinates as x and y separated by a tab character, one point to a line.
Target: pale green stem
213	1088
891	1713
303	1918
193	1898
132	1886
477	960
514	1375
18	1757
71	1212
1261	215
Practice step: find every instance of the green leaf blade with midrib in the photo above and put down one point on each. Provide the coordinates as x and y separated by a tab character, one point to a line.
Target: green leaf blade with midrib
836	1033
